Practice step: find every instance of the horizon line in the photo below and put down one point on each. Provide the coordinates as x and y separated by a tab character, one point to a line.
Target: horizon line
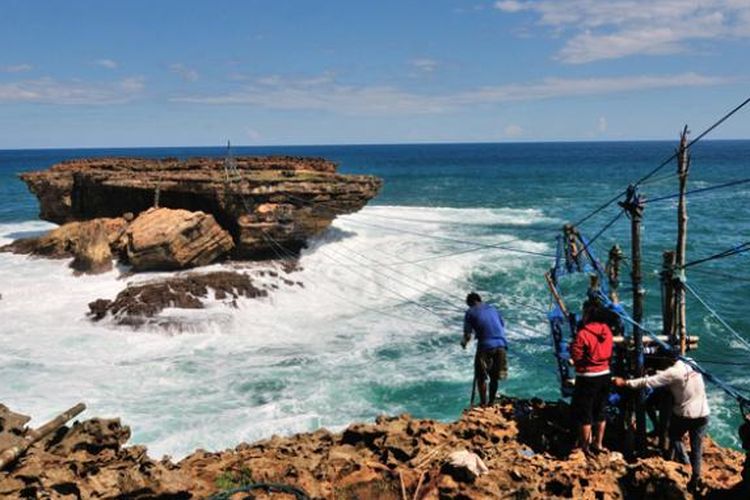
359	144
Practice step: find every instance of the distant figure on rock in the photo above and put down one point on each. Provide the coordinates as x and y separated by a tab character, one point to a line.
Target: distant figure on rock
486	322
591	352
689	412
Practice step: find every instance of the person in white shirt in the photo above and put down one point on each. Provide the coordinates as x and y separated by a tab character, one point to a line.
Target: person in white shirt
689	413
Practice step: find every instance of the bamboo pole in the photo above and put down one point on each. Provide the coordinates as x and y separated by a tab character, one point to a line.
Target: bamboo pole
683	165
667	290
556	294
11	454
634	205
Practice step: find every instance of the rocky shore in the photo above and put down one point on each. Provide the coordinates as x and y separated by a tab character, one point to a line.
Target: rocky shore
523	444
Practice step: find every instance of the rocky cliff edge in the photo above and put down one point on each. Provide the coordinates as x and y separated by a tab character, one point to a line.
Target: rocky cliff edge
524	444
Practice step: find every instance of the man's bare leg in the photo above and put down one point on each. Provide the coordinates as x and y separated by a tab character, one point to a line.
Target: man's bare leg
599	434
585	438
482	388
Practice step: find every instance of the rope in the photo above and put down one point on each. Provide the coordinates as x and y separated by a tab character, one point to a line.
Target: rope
742	400
700	190
665	162
724	362
288	489
741	248
478	246
602	230
713	312
275	244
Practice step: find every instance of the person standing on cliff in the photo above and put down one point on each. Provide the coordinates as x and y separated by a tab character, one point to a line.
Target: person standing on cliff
486	322
591	352
689	411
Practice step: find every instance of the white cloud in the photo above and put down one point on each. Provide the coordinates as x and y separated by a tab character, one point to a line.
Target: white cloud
186	73
106	63
598	30
329	95
16	68
71	92
424	65
513	131
253	135
601	124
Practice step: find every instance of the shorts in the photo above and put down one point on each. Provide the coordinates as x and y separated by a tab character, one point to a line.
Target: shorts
590	399
493	363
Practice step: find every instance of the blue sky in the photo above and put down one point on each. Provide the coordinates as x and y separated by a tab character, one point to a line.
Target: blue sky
184	73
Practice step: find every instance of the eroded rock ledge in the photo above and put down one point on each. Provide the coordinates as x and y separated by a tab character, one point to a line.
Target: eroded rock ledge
274	199
523	443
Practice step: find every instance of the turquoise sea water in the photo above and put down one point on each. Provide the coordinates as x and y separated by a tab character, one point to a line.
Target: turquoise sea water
376	328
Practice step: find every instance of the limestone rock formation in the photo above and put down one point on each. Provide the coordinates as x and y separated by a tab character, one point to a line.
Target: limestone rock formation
92	254
88	460
71	238
164	239
393	458
265	203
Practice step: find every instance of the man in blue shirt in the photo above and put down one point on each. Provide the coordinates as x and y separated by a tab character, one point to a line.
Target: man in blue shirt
487	324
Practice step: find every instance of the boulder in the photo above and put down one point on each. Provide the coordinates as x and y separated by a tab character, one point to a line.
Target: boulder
166	239
79	237
92	253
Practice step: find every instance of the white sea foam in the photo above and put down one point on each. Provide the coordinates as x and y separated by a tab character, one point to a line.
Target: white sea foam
335	350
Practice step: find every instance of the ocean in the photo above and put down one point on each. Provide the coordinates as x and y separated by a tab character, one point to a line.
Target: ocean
376	327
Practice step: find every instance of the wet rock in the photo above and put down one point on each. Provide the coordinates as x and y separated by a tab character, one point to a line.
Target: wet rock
137	303
165	239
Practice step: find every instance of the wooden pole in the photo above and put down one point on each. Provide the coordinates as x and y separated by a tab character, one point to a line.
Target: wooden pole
683	165
667	290
556	294
11	454
634	206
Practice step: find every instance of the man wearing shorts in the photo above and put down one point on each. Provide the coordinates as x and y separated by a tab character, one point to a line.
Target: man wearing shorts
591	352
487	324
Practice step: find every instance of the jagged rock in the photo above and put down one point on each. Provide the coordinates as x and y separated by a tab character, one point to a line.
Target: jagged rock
89	461
134	305
275	200
71	238
12	427
164	239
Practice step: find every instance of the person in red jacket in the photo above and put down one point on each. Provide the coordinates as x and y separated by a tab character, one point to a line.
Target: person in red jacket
591	352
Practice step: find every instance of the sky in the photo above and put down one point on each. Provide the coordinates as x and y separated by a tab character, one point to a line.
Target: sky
276	72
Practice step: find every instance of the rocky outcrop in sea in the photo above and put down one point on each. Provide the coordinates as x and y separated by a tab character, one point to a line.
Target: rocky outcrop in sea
171	215
263	203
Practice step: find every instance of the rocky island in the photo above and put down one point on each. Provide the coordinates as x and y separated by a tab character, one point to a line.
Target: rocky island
258	201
